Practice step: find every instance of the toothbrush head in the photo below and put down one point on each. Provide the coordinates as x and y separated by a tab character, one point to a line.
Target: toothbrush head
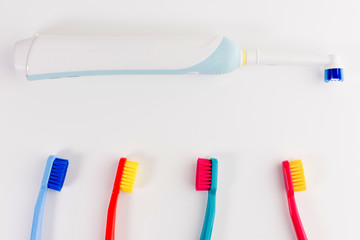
334	74
206	174
297	175
334	71
128	176
125	176
294	176
57	174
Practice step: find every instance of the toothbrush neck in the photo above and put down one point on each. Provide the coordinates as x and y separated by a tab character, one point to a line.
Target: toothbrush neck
116	190
268	58
290	193
212	191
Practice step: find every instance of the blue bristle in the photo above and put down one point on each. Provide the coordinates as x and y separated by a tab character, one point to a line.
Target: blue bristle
58	174
334	74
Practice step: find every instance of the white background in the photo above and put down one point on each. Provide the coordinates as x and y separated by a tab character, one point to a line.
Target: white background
251	120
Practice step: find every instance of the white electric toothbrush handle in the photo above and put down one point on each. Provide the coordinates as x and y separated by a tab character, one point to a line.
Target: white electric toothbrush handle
47	56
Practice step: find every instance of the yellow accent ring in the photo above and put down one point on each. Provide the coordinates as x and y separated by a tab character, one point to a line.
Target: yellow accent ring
244	57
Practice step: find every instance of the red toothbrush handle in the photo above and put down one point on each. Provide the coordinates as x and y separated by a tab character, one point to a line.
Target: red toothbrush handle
110	223
111	217
295	217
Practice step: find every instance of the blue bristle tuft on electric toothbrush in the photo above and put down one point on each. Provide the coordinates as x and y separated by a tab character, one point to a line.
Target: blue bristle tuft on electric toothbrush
48	56
53	178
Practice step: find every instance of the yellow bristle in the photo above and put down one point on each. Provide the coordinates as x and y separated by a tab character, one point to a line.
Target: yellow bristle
297	175
128	176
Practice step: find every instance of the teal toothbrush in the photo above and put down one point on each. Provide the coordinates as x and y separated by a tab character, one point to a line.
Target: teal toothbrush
206	180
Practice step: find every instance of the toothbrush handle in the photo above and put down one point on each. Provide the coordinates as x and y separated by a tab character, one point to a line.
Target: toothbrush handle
111	217
38	215
209	217
119	55
295	217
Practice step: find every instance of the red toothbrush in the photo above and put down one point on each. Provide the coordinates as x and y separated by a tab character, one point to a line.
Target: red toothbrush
124	180
294	182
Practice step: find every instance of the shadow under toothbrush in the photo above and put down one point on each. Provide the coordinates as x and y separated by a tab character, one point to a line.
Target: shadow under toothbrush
230	165
123	216
49	222
75	165
147	164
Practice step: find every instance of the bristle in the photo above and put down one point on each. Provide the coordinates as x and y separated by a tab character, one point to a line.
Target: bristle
128	176
297	175
203	174
58	174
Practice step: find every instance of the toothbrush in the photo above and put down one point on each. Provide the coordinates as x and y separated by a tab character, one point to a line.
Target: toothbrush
49	56
294	182
54	177
206	180
124	180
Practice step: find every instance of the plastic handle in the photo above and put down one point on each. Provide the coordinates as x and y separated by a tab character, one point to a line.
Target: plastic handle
111	217
209	217
38	215
47	57
295	217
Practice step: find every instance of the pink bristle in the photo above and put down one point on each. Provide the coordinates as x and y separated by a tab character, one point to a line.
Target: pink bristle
203	174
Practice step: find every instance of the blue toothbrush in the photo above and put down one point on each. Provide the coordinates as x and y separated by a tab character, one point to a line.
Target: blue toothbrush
54	177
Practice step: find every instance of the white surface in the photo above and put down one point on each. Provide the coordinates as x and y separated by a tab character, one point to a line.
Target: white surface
250	120
53	54
271	58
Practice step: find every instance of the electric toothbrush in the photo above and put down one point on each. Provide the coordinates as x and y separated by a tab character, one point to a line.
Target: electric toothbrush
49	56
